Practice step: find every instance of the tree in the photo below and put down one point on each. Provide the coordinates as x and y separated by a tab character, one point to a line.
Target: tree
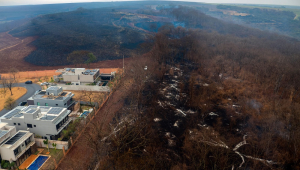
9	83
92	58
54	145
46	143
7	165
80	108
78	57
9	103
3	92
13	73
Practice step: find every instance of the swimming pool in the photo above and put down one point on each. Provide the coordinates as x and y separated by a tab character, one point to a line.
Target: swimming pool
38	162
85	114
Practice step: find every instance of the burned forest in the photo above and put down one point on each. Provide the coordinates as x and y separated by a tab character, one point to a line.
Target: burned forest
205	100
197	86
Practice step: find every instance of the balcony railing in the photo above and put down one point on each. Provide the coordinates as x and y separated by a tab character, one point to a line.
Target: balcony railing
23	151
64	125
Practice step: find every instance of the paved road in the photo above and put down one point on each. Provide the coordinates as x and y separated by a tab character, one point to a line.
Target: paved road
31	89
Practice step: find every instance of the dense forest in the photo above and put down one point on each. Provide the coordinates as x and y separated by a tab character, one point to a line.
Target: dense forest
209	101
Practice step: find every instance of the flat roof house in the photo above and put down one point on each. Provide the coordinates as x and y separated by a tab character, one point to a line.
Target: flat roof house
18	147
77	75
15	146
54	96
44	121
6	131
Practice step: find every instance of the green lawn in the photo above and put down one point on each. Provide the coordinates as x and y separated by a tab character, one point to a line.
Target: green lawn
57	155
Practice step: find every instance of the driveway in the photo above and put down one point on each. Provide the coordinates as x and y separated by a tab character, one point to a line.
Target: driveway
31	89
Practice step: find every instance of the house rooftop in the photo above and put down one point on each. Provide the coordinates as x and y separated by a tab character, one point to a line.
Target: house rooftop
44	95
17	139
43	113
3	132
5	129
53	88
77	71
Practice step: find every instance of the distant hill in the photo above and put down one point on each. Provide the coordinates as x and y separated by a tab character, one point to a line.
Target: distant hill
279	19
117	30
92	30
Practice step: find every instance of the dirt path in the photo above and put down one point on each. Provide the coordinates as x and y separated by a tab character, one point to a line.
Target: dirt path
12	46
7	41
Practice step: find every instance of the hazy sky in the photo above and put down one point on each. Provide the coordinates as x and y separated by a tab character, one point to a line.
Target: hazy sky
31	2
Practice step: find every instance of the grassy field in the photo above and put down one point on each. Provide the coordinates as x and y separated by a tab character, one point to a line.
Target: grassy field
35	76
17	93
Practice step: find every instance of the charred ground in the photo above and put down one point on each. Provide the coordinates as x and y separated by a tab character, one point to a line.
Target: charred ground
201	106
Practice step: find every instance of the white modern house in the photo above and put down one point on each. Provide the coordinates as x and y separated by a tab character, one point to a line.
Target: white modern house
44	121
6	131
15	146
54	96
77	76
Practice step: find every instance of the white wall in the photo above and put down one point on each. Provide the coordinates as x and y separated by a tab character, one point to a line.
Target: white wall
59	144
88	88
7	154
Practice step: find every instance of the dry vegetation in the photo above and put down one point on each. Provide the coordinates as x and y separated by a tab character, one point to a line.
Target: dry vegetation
6	41
87	96
206	101
14	50
17	93
203	106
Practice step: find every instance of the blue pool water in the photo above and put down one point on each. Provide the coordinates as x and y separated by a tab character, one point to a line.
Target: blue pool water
38	163
85	113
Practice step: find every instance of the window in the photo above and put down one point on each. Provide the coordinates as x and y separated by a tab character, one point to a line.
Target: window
19	124
15	124
56	104
46	104
38	103
16	151
27	141
65	103
34	125
29	125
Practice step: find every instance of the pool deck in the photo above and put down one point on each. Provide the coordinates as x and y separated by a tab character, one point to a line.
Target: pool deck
28	161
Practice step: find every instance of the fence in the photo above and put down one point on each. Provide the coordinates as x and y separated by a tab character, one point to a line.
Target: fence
59	144
83	87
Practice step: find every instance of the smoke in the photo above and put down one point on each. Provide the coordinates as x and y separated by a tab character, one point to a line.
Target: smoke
255	105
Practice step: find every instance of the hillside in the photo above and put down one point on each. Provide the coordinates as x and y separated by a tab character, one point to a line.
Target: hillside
111	30
278	19
215	95
91	30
